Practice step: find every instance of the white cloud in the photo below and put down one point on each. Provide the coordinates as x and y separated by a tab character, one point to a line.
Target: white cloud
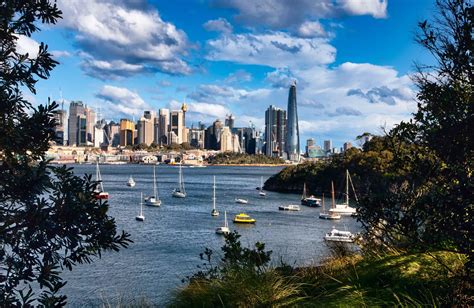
238	76
25	44
218	25
109	31
274	49
375	8
311	29
121	101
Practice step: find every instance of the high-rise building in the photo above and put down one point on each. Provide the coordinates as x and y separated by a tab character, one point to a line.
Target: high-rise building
310	143
127	132
90	123
293	133
163	127
275	131
177	125
226	140
145	130
81	130
213	135
347	146
197	138
75	108
229	121
60	131
112	134
327	146
98	136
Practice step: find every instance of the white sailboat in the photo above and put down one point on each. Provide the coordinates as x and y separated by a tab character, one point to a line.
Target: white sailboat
153	200
345	209
225	228
140	216
241	201
99	192
131	182
214	211
329	215
261	193
180	191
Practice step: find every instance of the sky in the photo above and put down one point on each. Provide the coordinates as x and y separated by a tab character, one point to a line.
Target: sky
351	59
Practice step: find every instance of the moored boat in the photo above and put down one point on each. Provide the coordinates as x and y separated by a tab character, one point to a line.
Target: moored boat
339	236
290	207
329	215
153	200
243	219
345	208
214	211
310	201
224	229
131	182
241	201
99	192
140	216
180	192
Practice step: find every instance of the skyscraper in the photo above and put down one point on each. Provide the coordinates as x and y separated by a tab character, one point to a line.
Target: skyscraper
275	131
75	108
176	126
327	146
293	133
145	130
60	131
90	123
163	127
127	132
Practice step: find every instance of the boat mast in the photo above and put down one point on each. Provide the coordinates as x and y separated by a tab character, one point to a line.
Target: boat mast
261	183
225	219
353	189
141	204
214	195
154	183
332	193
98	177
304	191
347	187
323	204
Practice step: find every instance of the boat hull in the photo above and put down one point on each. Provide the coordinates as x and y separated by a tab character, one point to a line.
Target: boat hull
140	218
151	201
288	208
101	196
222	230
310	203
329	216
238	221
178	194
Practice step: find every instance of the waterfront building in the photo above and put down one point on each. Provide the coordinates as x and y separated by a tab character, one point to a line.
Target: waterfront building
127	132
293	134
226	144
327	146
112	134
197	137
275	131
75	108
213	135
163	127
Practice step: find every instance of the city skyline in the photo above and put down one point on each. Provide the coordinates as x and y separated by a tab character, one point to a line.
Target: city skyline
222	59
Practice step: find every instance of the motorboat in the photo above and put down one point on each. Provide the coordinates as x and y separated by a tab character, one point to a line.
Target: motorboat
241	201
290	207
261	193
131	182
153	200
214	211
140	216
339	236
243	219
224	229
310	201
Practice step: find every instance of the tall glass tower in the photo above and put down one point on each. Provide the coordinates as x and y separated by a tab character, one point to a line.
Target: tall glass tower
293	132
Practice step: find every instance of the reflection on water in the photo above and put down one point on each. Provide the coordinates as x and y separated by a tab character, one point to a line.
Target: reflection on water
167	245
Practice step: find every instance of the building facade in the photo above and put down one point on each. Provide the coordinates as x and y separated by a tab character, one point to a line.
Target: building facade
275	131
127	132
75	108
293	133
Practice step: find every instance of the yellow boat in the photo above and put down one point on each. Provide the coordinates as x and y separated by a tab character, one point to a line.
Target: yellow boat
243	219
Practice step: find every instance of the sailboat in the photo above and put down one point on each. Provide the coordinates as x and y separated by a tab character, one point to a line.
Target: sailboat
153	200
99	192
345	209
131	182
140	216
225	228
329	215
214	211
310	201
180	192
261	193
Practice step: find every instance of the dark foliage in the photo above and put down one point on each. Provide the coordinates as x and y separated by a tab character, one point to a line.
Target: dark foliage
49	219
229	158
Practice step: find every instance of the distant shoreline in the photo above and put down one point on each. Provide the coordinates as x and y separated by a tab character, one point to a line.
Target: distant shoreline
249	165
172	165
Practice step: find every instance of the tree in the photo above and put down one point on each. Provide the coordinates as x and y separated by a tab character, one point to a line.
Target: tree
49	219
426	197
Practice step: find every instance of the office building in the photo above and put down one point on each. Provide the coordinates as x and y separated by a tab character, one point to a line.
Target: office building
145	128
197	138
275	131
127	132
176	126
163	127
60	130
327	146
347	146
310	144
230	121
293	133
90	123
75	108
81	130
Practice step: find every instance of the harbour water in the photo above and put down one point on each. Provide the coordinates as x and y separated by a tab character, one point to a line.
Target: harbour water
167	244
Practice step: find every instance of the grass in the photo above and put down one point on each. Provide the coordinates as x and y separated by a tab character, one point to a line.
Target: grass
395	279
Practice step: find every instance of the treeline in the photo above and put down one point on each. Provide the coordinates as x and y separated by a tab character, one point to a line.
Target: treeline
229	158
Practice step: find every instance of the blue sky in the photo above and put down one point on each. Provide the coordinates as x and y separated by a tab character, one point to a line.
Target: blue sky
351	58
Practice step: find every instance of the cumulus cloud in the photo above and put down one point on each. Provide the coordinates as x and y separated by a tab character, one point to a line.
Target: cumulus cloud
127	32
345	111
122	101
271	49
218	25
280	78
27	45
284	14
311	29
382	94
202	111
215	93
238	76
